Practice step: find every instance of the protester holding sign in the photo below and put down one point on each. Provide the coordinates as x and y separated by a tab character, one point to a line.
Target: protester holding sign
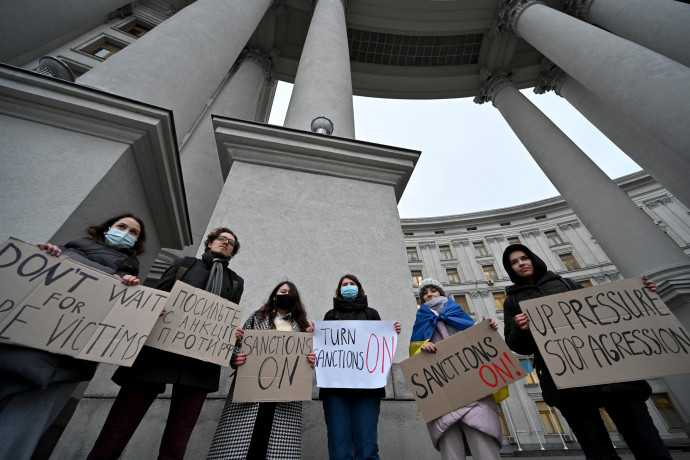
352	415
267	430
35	385
624	402
477	424
192	379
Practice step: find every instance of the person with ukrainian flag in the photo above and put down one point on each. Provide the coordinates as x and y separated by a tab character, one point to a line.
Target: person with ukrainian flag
474	429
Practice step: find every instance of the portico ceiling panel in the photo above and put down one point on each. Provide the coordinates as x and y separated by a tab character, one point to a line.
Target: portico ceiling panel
435	70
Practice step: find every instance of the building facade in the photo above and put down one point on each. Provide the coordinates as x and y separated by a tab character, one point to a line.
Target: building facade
464	253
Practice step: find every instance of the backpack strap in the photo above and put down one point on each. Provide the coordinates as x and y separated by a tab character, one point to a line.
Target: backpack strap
570	284
186	264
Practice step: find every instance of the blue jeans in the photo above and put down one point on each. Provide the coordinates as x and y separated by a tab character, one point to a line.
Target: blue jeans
352	422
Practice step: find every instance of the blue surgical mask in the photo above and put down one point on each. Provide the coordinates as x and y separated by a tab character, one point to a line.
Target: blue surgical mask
349	292
119	239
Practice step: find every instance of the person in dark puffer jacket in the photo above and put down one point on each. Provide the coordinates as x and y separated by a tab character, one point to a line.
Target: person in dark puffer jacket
352	414
624	402
34	384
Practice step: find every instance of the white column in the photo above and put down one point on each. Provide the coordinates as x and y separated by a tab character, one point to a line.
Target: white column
651	88
632	241
238	97
466	274
497	252
27	30
323	84
180	63
571	231
660	25
667	168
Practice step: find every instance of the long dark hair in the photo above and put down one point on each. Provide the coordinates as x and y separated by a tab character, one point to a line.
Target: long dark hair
298	314
360	294
97	233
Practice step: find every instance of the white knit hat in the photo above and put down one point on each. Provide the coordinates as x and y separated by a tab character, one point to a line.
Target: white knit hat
433	283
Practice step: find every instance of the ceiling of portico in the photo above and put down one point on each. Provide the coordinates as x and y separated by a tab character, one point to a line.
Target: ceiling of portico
408	49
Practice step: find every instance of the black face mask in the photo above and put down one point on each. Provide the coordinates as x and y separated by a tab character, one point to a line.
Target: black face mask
284	302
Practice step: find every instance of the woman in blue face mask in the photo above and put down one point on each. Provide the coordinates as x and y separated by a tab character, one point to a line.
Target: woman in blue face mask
34	384
352	415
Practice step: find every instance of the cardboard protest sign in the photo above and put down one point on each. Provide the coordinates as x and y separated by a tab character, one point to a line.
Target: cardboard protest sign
276	368
197	324
614	332
354	354
59	305
466	367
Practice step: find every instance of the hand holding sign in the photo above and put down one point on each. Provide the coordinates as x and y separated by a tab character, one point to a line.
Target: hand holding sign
354	354
466	367
274	367
607	334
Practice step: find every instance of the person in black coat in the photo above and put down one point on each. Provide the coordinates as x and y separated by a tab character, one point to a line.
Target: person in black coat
192	379
624	402
35	384
352	414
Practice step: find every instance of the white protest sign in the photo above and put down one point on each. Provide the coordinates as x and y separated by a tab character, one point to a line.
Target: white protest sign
197	324
354	354
62	306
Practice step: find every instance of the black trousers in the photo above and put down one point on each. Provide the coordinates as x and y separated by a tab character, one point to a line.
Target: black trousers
633	422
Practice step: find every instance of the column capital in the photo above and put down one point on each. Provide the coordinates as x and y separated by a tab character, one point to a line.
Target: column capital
578	8
492	84
427	245
260	57
495	238
660	201
344	2
569	225
530	234
508	15
551	78
458	243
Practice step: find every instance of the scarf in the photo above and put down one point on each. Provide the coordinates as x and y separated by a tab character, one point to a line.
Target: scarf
214	285
426	321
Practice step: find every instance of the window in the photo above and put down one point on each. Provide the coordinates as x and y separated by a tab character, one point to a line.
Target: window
513	240
667	411
412	255
504	224
585	283
480	249
540	217
461	300
553	237
499	298
469	229
569	261
439	232
446	253
408	234
453	276
490	272
549	418
531	378
104	49
136	29
419	302
416	277
504	424
610	426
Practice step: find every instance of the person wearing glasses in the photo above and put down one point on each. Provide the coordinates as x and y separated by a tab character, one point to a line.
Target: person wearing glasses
192	379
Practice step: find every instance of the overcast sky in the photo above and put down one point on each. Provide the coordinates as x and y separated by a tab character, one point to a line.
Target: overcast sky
471	160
